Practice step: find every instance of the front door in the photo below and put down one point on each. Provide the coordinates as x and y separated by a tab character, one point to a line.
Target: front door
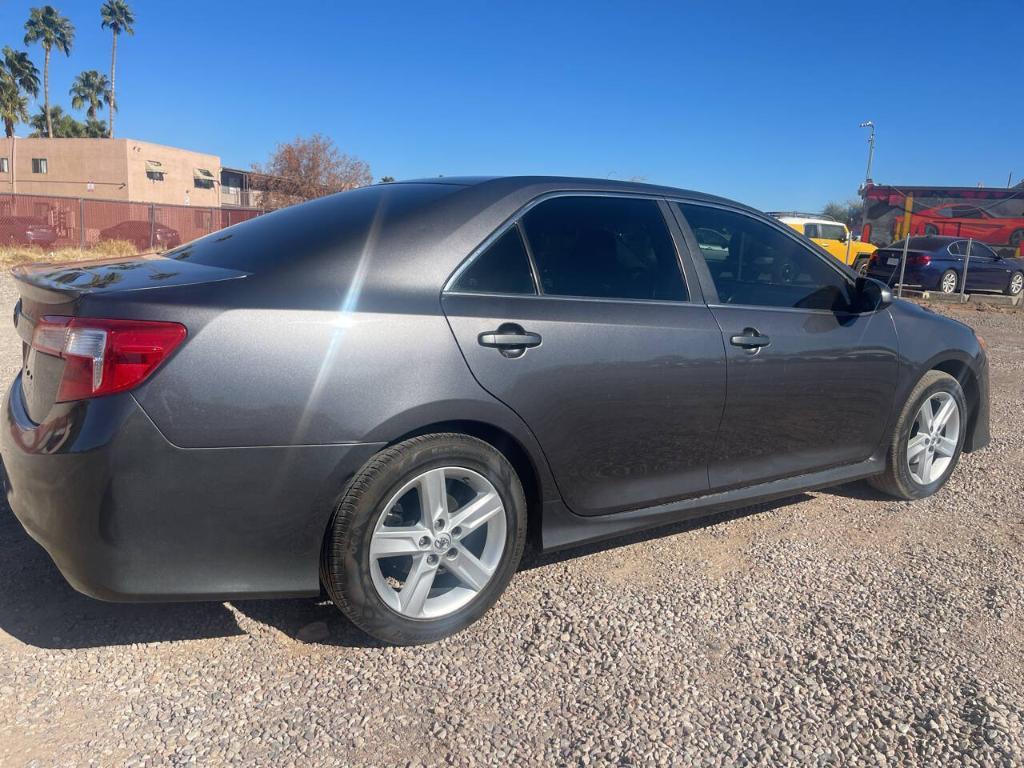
811	383
600	350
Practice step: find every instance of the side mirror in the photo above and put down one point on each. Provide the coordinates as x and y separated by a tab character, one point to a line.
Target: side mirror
872	295
842	238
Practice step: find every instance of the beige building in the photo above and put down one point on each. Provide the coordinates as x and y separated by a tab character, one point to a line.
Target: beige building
110	169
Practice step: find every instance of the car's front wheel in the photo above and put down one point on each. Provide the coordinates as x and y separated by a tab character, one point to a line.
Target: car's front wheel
425	539
928	439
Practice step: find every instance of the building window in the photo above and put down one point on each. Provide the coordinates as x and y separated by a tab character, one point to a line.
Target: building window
203	178
155	170
4	168
38	165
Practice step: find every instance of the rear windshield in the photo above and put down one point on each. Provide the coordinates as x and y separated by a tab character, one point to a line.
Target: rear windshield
327	223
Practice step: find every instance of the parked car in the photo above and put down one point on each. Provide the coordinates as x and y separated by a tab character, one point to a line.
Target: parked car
833	236
385	390
25	230
143	235
938	263
968	221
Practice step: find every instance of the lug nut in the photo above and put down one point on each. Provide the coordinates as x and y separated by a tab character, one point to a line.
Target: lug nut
432	559
456	531
451	553
424	541
439	524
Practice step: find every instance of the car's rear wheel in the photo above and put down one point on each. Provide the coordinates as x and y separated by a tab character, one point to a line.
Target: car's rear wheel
928	439
949	281
861	265
425	539
1016	284
1016	237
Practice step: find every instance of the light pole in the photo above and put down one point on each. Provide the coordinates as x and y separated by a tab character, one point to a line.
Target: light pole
871	148
867	174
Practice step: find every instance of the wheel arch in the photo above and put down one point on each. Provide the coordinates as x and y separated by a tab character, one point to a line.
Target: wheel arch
962	371
531	474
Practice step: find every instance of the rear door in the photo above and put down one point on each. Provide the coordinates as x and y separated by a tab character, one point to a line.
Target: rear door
811	382
577	315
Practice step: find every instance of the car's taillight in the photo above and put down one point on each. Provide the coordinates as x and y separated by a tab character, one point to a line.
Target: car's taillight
920	259
102	357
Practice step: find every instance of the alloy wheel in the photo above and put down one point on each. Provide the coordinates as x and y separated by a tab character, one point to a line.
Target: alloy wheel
934	437
949	282
437	543
1016	283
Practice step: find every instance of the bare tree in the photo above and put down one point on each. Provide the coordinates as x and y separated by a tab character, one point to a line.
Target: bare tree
307	168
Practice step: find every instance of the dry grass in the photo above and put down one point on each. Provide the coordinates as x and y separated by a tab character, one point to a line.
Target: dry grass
20	254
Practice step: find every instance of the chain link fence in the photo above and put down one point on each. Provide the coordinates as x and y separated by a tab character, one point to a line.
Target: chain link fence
56	222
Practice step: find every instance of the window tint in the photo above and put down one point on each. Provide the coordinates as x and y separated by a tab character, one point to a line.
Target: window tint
762	266
958	248
604	247
980	249
832	231
811	230
502	268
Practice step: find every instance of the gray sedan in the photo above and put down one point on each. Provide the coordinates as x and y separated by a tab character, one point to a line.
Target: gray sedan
382	393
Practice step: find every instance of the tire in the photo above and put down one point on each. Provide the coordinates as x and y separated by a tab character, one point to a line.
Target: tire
1016	284
899	479
860	265
949	282
931	229
1016	237
362	584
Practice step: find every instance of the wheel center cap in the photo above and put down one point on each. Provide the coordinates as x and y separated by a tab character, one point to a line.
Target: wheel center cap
442	542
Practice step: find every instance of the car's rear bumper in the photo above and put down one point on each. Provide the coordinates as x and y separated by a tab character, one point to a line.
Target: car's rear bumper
126	515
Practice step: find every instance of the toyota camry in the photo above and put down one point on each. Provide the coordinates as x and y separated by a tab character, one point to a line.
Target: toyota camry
384	392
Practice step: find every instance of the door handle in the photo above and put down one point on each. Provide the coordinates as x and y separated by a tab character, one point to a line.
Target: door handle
510	339
750	339
505	340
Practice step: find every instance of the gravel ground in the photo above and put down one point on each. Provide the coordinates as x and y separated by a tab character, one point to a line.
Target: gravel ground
834	628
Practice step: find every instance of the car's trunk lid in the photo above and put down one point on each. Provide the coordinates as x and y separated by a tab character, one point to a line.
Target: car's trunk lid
58	289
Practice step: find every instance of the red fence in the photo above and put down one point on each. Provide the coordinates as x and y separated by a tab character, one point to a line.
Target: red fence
54	222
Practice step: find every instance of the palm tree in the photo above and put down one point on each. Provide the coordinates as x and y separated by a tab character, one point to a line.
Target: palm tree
64	125
46	26
13	106
118	18
17	74
92	90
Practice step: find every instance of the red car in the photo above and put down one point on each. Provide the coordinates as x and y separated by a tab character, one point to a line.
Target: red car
960	220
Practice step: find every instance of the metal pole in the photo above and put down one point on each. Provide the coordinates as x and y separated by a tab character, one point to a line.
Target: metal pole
871	153
152	225
81	223
867	175
903	267
967	263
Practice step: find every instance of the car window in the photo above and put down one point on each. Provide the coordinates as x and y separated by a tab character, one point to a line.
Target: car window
766	267
811	230
832	231
503	268
604	247
958	248
980	250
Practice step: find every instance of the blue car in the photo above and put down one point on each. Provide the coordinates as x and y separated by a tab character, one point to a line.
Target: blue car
937	263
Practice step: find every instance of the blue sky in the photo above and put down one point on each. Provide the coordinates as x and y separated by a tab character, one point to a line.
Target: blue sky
758	101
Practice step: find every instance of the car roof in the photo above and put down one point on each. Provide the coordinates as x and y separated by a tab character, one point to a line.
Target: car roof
510	184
